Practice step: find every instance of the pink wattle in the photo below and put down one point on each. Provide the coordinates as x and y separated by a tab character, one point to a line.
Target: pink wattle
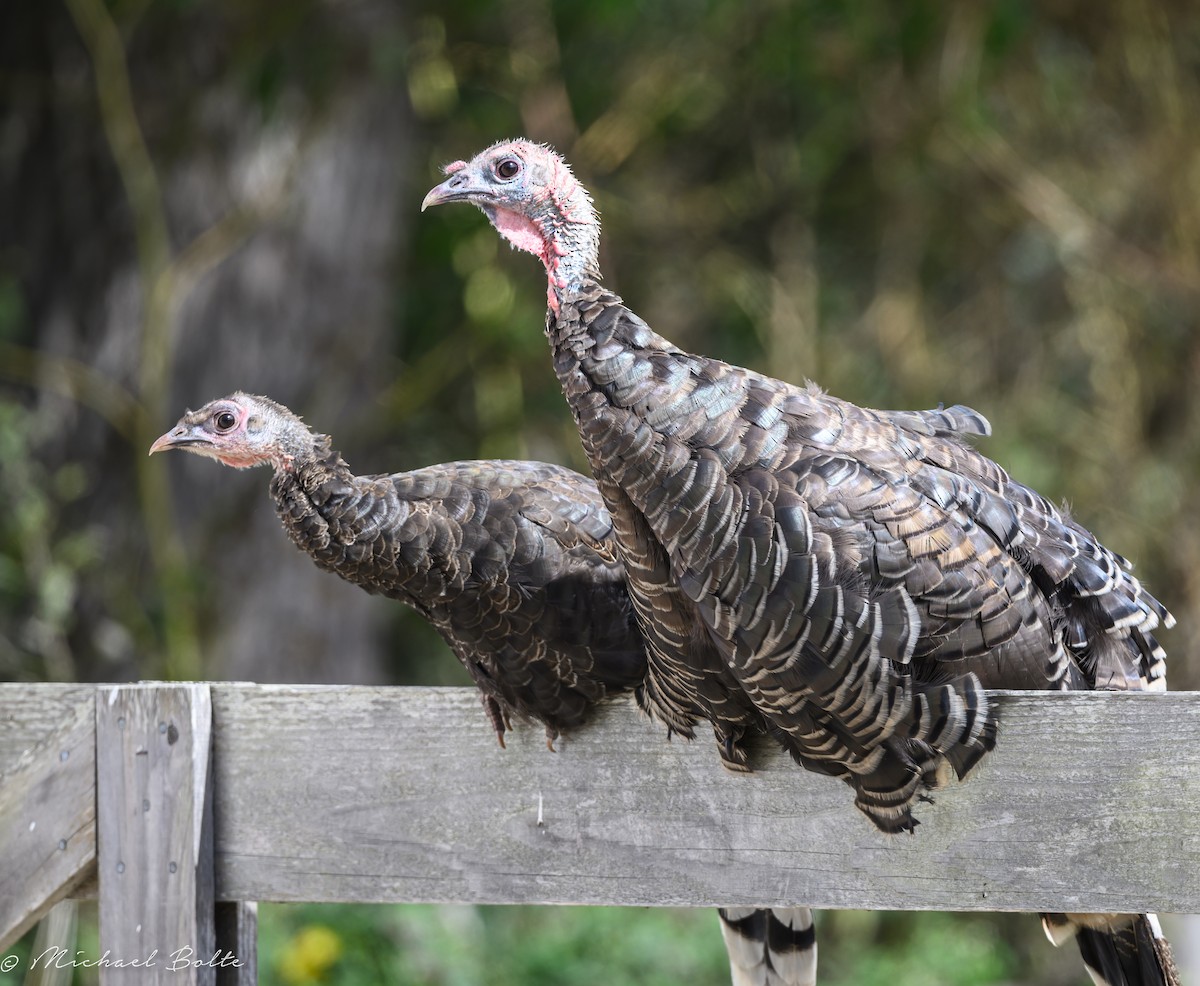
242	459
521	232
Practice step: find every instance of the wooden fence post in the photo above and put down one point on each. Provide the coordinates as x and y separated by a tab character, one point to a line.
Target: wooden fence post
154	834
237	938
47	800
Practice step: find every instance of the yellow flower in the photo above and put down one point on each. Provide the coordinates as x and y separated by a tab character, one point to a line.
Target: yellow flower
312	950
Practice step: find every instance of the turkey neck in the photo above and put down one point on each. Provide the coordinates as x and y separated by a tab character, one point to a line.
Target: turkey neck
340	519
643	407
569	231
625	384
312	495
630	390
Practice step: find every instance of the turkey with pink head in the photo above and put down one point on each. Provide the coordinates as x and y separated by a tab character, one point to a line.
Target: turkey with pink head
512	562
858	575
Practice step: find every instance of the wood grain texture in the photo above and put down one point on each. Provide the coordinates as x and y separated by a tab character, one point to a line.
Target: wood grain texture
154	797
237	943
401	794
47	799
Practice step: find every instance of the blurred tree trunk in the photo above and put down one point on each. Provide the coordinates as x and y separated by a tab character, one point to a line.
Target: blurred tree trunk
273	274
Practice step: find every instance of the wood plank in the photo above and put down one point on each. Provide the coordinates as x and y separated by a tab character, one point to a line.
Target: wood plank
154	807
401	794
1088	803
54	945
88	887
237	943
47	799
31	711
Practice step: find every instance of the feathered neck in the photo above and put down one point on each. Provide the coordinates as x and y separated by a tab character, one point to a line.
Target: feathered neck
312	450
295	444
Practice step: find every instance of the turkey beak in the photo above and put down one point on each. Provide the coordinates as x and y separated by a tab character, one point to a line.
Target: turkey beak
178	437
456	188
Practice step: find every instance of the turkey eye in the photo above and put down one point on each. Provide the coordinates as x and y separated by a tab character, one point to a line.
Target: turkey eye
508	168
225	420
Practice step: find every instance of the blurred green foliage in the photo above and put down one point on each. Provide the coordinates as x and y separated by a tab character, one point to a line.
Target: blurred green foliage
41	564
596	946
453	945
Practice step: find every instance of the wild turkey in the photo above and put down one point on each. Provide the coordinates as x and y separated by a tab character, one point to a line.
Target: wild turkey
512	562
834	559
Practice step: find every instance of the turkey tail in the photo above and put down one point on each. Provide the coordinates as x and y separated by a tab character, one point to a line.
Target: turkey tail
957	721
1117	949
950	726
770	946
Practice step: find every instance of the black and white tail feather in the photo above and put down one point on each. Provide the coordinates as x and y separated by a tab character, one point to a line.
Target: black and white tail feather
770	946
1117	949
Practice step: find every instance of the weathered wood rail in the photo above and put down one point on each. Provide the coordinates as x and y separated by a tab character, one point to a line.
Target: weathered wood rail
177	804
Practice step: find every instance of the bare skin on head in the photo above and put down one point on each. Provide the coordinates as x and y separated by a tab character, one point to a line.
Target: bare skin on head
240	431
558	224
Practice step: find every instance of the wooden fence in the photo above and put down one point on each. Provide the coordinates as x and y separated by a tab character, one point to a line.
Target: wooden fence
178	804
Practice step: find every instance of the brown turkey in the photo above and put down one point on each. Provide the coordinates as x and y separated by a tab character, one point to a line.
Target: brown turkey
513	563
824	560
